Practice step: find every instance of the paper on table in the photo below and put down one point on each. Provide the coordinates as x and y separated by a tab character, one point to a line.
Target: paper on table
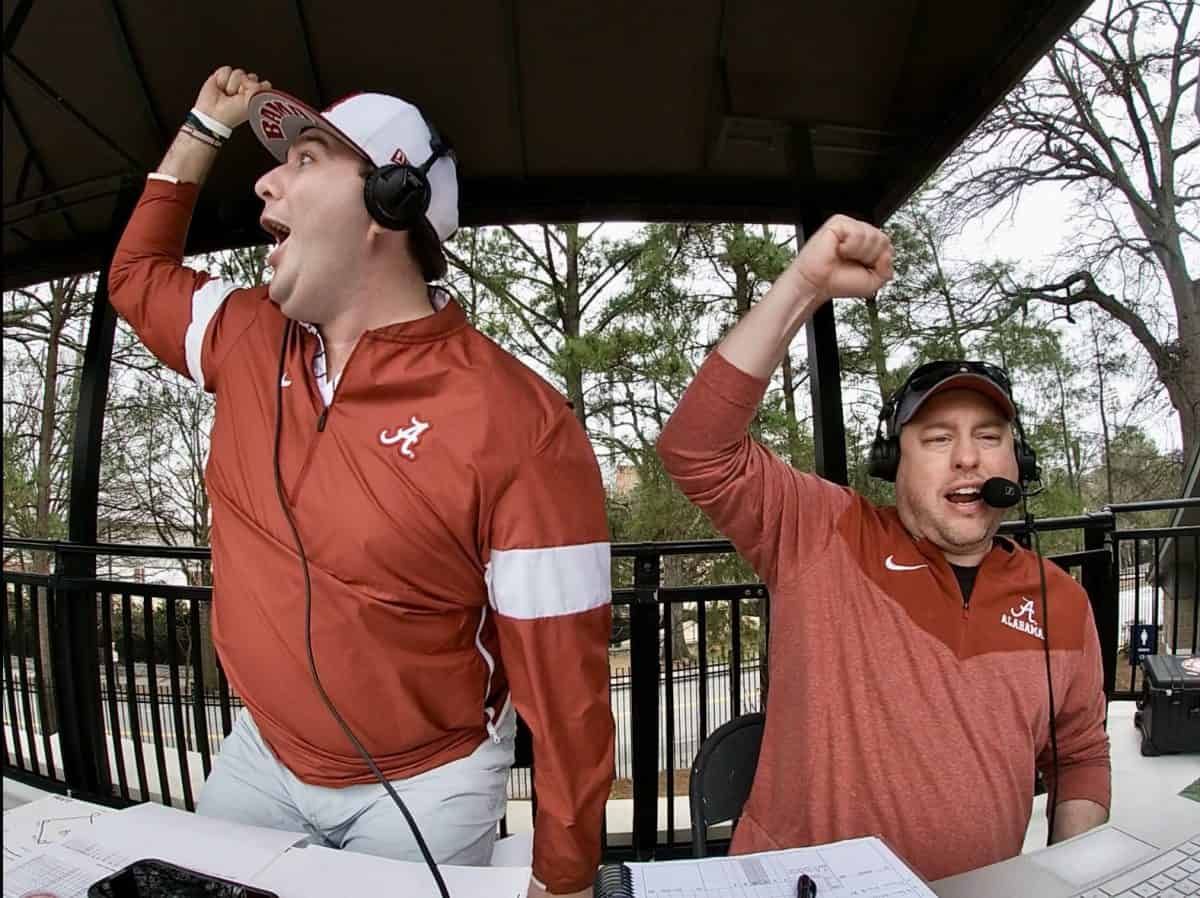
56	868
862	868
217	847
315	872
46	821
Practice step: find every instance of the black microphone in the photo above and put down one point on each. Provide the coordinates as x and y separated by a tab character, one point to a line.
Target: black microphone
1000	492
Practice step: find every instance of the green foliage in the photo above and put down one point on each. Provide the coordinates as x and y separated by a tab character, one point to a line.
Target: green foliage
20	490
620	318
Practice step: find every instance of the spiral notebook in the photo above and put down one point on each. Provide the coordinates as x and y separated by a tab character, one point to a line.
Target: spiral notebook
854	868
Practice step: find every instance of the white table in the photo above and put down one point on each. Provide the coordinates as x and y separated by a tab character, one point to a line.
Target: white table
1145	803
67	845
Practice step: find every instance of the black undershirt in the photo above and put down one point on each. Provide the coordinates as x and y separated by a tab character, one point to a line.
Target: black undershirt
966	575
966	579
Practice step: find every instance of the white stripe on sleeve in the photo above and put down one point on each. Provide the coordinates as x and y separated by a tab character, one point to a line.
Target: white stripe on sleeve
534	583
205	303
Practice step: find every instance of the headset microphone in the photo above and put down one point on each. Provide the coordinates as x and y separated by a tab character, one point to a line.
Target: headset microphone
1000	492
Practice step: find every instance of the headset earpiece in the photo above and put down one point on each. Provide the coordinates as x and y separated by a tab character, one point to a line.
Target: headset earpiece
397	195
1027	466
883	461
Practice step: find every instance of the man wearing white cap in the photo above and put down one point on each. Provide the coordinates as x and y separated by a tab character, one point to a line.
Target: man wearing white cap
409	536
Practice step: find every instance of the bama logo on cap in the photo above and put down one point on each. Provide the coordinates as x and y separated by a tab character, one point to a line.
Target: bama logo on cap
272	114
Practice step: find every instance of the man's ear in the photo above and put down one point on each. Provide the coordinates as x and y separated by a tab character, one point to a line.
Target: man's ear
387	240
377	234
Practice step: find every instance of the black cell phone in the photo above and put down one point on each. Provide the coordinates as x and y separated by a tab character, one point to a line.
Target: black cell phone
151	878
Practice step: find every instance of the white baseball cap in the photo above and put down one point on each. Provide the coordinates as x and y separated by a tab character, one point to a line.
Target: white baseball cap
380	128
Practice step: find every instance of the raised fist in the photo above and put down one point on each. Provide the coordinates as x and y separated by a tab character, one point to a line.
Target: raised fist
846	257
226	95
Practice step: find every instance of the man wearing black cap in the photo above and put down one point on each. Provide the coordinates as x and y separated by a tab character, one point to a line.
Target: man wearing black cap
909	647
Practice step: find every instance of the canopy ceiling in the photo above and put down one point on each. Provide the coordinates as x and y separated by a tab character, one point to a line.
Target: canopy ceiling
656	109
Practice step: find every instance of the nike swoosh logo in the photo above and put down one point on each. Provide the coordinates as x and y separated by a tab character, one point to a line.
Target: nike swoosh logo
891	565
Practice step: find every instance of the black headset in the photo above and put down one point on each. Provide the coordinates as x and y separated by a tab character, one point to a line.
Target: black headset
884	459
398	194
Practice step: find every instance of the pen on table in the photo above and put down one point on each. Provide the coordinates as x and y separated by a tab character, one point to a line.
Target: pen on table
806	887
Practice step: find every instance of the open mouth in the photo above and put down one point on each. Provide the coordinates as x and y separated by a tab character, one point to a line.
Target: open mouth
276	229
279	232
964	495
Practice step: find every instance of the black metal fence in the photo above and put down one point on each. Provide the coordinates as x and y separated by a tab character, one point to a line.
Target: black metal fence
133	707
1158	597
110	687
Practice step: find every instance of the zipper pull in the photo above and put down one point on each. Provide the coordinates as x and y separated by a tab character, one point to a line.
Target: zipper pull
321	420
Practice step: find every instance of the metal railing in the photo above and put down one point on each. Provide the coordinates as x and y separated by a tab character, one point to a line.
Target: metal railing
1158	584
144	722
131	710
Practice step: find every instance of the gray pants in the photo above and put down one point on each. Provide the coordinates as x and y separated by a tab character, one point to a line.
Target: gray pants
457	806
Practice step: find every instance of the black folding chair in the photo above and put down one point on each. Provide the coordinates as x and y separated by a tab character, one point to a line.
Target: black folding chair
722	775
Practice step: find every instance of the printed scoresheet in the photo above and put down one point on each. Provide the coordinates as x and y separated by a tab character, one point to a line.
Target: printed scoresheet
855	868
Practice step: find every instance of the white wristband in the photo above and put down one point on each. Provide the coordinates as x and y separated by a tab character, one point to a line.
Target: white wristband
221	130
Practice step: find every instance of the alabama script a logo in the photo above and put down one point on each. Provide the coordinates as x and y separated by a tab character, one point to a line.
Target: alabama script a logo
407	437
1022	618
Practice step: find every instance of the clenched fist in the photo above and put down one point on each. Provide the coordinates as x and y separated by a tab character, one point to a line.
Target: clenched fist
226	95
846	257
